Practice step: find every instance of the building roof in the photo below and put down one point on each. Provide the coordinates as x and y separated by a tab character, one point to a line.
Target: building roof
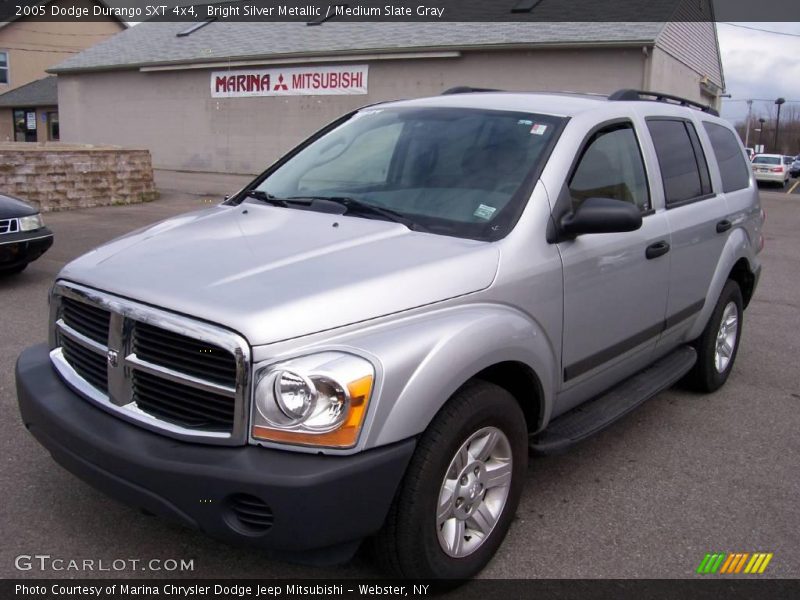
42	92
13	17
157	43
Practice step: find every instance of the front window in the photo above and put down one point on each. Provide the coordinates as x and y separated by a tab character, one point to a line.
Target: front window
461	172
4	67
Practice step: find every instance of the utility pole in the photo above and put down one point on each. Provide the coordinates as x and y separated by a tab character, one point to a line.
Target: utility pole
779	101
747	131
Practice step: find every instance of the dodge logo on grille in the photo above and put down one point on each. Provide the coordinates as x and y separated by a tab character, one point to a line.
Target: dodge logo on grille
111	357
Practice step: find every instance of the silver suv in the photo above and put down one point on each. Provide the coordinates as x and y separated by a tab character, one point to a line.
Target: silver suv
368	339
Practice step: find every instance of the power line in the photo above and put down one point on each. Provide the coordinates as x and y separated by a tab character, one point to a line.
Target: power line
759	29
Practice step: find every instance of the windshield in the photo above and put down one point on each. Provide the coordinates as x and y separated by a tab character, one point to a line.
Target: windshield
767	160
459	172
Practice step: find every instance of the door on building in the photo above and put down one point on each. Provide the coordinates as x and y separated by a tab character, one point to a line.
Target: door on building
24	125
52	126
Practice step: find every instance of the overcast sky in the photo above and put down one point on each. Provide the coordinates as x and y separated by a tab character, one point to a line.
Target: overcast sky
759	65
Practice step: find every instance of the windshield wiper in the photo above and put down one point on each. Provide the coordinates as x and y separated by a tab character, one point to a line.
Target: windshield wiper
265	197
357	207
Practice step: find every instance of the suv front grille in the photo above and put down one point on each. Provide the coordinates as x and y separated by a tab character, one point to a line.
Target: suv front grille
182	353
89	365
182	404
166	372
84	318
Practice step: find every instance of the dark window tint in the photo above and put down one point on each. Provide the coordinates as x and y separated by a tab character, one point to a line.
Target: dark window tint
683	165
732	166
611	167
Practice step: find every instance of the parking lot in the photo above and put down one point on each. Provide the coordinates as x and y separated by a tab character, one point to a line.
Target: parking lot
682	476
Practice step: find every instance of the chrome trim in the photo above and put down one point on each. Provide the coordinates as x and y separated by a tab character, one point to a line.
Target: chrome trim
178	377
124	314
77	336
41	237
130	412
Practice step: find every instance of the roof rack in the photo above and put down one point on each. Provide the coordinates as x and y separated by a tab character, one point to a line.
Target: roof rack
660	97
465	89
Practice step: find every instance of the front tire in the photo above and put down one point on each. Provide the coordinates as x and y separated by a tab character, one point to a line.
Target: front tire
719	342
461	489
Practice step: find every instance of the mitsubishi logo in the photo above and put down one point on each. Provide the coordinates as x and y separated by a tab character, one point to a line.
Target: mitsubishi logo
280	85
112	358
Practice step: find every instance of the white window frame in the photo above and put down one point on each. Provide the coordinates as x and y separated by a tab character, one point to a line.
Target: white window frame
7	67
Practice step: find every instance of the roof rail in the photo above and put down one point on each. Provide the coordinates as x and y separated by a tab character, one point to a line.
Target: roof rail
660	97
465	89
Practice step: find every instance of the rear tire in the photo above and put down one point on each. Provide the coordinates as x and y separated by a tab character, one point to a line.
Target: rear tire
461	490
719	342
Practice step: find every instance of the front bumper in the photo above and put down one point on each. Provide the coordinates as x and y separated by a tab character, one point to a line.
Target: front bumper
322	506
24	247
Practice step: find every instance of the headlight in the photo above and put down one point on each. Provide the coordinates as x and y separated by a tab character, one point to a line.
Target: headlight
317	400
31	222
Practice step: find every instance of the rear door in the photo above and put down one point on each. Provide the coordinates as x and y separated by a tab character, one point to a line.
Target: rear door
696	214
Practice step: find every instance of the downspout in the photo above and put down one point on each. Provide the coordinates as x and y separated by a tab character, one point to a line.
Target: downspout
647	71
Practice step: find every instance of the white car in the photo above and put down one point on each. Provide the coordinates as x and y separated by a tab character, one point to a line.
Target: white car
770	168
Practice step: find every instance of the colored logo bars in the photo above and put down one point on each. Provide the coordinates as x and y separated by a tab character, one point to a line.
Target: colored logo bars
736	562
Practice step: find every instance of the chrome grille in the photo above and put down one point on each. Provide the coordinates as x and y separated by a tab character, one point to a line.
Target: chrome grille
9	226
182	404
88	364
89	320
184	354
165	372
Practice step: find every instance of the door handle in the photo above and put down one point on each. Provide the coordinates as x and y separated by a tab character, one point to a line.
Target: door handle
656	249
723	226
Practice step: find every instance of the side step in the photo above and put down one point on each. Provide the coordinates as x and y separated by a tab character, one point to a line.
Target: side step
596	414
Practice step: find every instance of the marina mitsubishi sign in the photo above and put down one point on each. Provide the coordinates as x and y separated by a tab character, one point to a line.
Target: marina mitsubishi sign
294	81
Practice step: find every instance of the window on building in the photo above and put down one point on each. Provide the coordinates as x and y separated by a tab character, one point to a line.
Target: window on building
732	166
24	125
4	78
680	156
52	126
611	166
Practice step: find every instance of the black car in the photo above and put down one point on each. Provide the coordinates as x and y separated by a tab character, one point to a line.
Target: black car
23	236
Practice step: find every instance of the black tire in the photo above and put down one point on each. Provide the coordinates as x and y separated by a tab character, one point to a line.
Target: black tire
704	376
408	545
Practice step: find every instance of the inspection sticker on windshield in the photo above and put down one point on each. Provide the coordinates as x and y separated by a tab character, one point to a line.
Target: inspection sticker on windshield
524	122
538	129
484	212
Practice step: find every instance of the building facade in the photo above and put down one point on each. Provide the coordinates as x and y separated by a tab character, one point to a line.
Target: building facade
28	47
233	97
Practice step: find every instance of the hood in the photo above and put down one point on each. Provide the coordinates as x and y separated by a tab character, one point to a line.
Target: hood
11	207
275	273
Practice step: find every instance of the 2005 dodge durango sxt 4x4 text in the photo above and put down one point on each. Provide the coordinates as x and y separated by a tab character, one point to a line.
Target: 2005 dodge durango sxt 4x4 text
366	340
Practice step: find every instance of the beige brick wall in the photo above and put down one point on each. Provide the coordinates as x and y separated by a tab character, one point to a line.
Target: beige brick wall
58	177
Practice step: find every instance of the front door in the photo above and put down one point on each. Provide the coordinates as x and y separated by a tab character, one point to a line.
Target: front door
615	289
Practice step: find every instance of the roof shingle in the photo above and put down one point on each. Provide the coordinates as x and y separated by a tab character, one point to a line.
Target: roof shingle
156	43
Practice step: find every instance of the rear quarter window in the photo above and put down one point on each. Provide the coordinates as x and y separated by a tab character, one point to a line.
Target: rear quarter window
733	169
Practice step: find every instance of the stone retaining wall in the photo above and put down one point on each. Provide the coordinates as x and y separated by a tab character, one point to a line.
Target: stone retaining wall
63	176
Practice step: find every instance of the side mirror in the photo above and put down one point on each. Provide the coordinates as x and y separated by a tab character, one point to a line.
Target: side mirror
602	215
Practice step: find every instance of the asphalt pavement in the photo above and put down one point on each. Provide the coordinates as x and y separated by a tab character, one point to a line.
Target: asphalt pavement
682	476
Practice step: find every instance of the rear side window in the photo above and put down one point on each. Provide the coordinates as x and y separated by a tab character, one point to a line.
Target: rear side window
680	156
732	167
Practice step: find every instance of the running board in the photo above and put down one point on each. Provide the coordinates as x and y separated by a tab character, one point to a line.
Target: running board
594	415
